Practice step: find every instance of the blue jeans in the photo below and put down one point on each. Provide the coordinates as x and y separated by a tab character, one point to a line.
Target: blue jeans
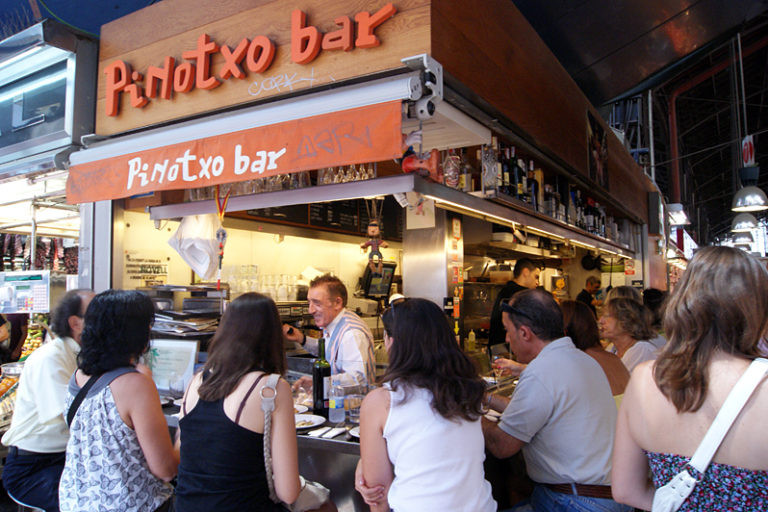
544	499
34	479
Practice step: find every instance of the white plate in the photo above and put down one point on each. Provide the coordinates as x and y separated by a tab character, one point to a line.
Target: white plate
308	420
298	408
355	432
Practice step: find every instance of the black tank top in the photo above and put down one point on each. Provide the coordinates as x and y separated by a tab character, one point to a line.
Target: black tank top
222	463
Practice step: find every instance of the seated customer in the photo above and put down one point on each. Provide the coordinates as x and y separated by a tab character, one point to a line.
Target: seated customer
715	320
627	324
222	424
119	454
581	326
561	414
421	447
38	434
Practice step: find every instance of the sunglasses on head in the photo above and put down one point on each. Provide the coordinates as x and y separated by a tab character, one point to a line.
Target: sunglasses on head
512	310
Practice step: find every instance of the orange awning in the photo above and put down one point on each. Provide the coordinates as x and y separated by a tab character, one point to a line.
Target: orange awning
359	135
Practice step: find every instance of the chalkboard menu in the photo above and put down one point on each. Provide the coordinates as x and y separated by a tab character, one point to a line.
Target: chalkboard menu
339	216
294	214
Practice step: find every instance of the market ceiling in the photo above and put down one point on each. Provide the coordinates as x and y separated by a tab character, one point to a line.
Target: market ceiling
611	49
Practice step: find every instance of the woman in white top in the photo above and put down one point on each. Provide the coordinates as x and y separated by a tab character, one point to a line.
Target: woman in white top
627	324
421	444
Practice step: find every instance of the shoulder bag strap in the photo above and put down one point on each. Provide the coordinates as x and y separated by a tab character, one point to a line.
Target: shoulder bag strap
75	405
268	405
728	412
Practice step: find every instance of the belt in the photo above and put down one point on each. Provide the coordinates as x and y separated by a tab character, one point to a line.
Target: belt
586	490
26	453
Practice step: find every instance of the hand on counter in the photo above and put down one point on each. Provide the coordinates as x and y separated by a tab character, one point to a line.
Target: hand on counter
371	495
509	366
303	382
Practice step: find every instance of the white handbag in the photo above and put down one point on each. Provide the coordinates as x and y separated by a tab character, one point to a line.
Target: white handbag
672	495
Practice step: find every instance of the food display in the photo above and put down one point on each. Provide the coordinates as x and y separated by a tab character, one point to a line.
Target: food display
7	383
35	334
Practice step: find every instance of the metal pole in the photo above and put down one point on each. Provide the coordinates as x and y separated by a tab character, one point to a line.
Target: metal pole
743	91
33	238
652	160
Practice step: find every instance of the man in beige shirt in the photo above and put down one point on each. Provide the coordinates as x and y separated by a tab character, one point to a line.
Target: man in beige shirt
38	434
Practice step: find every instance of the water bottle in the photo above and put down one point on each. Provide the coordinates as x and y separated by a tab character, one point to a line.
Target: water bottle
336	402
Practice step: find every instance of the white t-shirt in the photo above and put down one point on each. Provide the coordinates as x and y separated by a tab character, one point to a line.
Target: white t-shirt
563	410
640	352
438	463
38	417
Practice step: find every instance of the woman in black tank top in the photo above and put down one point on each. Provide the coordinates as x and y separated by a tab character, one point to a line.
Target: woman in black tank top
222	457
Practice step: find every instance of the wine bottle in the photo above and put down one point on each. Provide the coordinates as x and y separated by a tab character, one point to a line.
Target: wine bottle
321	382
515	183
534	187
505	166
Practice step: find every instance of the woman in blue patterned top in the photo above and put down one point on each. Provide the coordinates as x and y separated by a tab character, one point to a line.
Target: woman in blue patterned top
714	321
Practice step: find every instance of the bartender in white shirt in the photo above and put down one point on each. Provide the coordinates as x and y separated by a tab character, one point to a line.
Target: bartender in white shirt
348	341
38	434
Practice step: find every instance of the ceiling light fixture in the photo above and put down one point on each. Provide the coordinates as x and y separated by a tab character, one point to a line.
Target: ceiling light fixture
743	222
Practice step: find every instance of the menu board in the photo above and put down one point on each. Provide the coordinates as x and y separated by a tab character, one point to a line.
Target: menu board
25	291
341	215
294	214
348	216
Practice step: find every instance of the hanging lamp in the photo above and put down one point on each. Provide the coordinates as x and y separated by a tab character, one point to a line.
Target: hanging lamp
743	238
749	198
743	222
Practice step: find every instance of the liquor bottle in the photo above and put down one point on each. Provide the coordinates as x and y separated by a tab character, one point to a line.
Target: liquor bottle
580	221
589	215
533	187
515	183
522	189
321	381
572	217
506	172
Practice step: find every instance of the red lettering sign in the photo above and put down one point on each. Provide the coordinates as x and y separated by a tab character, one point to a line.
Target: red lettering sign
257	54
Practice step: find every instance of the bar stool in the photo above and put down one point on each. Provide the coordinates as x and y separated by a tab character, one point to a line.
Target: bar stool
23	507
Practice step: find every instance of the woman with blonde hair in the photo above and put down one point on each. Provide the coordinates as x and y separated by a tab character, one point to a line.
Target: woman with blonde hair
627	324
714	320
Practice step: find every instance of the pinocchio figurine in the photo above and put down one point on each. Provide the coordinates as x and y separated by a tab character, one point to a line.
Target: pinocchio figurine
374	242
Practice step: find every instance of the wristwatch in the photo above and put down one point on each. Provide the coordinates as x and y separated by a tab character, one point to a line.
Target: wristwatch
303	339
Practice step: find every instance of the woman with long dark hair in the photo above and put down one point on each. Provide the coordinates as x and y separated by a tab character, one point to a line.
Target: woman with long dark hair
119	454
222	423
421	443
581	326
714	320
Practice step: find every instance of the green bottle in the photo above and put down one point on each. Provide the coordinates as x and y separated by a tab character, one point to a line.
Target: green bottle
321	381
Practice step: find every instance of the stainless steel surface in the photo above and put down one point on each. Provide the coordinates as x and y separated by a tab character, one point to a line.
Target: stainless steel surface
332	462
425	261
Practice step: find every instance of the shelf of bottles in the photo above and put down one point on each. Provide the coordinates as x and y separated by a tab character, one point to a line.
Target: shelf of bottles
510	178
495	172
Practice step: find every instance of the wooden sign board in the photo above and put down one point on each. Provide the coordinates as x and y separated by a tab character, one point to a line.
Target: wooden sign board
363	134
181	58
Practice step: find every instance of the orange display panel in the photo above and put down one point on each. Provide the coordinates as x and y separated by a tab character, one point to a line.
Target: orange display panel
364	134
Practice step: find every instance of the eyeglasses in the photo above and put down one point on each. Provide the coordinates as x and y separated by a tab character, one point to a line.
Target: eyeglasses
512	310
391	307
